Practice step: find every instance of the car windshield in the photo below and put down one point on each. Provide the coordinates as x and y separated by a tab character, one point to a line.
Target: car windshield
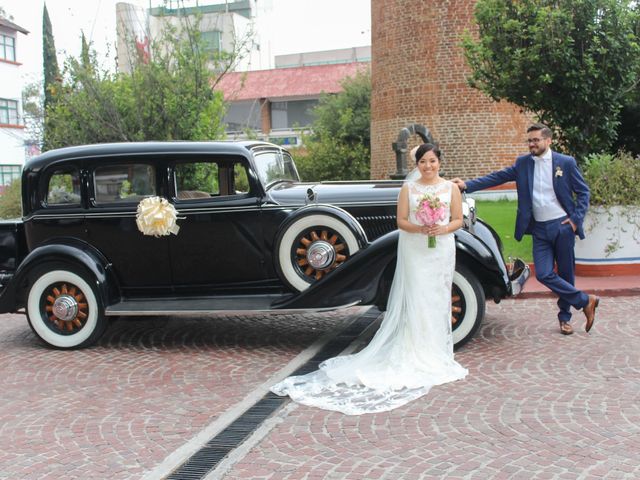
276	166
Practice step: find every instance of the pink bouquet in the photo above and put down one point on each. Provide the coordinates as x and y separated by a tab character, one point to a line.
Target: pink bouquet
429	212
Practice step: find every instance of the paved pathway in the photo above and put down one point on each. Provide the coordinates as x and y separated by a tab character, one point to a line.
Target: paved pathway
119	409
535	405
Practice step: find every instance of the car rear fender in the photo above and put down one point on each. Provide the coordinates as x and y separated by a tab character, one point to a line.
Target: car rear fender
68	252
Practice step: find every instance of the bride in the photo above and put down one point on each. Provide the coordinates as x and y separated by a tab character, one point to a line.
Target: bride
413	348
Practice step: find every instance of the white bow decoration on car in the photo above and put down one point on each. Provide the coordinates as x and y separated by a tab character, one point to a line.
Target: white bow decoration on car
157	217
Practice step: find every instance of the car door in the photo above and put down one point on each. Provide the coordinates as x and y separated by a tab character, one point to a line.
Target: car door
220	245
117	185
60	212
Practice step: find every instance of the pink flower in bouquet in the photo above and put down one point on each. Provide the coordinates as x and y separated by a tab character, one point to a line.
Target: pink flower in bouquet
429	212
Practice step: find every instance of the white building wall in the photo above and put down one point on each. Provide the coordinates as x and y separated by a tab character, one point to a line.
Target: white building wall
12	148
132	22
131	26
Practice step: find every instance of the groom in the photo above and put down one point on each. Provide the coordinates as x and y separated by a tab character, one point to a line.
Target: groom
552	201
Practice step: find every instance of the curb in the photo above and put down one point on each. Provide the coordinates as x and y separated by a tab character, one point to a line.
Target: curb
621	292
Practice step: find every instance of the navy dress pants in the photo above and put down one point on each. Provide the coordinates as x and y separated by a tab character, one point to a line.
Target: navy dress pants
554	260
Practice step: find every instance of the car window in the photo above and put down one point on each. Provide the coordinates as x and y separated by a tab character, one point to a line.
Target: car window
124	183
197	180
240	179
64	188
210	179
274	166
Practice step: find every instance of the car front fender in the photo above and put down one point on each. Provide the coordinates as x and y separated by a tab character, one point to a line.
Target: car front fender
367	276
356	281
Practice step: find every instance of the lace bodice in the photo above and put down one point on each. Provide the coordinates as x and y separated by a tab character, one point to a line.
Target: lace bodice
441	190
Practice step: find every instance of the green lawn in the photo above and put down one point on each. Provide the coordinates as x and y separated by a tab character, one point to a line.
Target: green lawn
501	215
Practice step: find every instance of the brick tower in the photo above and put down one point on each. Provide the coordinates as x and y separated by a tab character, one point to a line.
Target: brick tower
419	76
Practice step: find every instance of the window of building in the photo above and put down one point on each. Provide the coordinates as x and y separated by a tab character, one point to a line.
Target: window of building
292	114
9	112
124	183
7	48
279	115
64	188
9	173
212	41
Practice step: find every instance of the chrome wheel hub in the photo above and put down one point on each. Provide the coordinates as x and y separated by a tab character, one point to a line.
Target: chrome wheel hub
65	308
321	255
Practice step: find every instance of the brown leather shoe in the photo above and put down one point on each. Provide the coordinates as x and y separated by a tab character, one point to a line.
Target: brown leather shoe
565	328
590	311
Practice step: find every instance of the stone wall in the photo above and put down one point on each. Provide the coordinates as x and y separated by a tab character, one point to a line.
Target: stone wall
419	76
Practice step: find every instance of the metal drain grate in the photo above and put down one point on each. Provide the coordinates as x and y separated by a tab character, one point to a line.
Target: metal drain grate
204	460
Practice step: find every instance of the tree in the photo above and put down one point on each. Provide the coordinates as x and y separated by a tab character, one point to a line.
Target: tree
167	96
340	146
572	63
11	200
33	112
49	60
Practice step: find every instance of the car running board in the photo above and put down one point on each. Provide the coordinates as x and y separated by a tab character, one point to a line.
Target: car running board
204	305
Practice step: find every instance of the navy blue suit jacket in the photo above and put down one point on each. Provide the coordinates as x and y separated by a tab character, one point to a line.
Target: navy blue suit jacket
568	183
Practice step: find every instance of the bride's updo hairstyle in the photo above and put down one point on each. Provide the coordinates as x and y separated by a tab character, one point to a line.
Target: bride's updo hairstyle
427	147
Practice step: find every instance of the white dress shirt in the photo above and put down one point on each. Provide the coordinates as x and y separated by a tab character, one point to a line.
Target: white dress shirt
545	203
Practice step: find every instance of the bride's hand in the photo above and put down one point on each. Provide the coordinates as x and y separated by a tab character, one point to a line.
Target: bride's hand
434	230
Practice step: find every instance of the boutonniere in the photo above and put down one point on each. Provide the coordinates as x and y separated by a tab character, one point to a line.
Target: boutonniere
558	172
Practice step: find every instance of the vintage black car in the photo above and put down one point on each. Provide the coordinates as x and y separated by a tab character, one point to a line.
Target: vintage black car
251	237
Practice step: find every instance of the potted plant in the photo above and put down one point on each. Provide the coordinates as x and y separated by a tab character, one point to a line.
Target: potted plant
612	225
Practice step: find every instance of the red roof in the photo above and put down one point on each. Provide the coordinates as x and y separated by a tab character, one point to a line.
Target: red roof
287	82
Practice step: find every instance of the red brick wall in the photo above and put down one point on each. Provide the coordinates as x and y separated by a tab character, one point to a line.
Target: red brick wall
419	76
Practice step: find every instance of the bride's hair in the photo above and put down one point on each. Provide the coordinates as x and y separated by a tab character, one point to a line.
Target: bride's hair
427	147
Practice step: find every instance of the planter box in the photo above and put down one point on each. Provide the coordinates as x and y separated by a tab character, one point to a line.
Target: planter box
612	243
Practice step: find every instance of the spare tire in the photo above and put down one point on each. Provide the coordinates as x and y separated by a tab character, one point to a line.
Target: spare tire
312	246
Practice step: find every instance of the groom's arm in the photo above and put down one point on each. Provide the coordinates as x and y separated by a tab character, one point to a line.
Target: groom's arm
582	194
492	180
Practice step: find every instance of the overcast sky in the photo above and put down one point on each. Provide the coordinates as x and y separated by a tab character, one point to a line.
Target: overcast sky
298	26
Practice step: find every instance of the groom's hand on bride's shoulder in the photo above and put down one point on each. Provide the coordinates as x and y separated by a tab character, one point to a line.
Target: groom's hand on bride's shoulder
461	185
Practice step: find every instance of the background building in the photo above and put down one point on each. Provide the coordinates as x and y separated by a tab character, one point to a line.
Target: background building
222	26
419	76
276	104
12	137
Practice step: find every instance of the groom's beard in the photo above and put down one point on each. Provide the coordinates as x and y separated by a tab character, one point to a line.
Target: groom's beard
537	151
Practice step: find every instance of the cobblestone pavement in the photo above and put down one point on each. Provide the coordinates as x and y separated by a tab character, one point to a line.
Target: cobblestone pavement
536	405
117	410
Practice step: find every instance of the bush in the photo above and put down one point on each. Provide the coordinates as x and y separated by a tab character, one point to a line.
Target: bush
336	161
613	179
11	200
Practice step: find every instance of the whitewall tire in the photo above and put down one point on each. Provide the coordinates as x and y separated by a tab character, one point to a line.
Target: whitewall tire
311	247
468	305
64	311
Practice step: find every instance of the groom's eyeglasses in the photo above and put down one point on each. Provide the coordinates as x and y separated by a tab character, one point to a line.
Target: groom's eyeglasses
534	140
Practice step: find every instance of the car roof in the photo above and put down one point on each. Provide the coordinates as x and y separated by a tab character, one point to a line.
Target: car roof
227	147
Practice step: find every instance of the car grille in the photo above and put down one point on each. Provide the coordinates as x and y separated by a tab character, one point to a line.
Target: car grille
376	226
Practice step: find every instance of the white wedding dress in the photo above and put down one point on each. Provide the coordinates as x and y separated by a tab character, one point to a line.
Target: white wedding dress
413	348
